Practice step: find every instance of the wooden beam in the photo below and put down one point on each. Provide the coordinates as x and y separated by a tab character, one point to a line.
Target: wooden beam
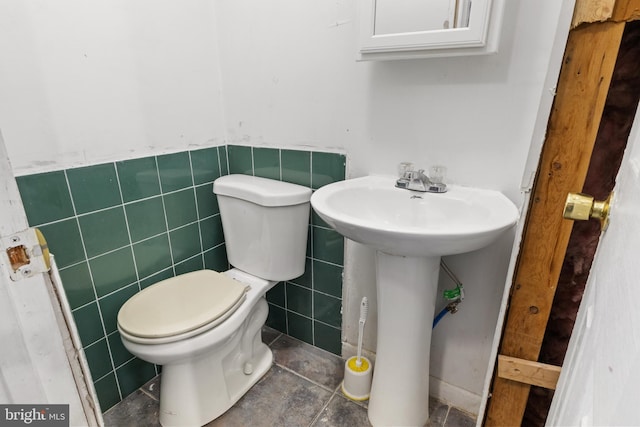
592	11
589	11
528	372
626	10
583	85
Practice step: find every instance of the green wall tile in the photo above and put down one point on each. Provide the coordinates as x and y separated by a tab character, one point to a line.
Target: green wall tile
305	279
240	159
107	391
110	305
146	218
76	281
211	231
164	274
133	374
180	208
299	299
192	264
327	309
118	351
45	197
316	220
104	231
327	338
94	187
224	165
185	242
175	171
207	201
98	358
152	255
328	245
88	323
216	259
206	167
276	295
327	278
277	318
299	327
266	162
327	168
296	167
113	271
138	178
63	239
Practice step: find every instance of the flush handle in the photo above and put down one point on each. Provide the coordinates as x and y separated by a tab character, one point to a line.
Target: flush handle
581	207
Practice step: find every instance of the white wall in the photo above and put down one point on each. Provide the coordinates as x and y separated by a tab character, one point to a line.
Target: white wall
290	79
86	82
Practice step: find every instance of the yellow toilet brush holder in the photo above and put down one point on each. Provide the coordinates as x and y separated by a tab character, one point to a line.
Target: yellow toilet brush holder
357	379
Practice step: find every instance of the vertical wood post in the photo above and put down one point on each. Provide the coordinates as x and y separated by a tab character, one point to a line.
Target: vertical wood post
588	65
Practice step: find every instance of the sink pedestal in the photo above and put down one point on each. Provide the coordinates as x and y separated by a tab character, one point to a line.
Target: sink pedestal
406	289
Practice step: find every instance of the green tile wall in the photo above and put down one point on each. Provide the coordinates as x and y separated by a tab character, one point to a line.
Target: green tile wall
117	228
308	307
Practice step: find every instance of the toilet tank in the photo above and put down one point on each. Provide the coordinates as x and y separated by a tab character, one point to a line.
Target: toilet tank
265	225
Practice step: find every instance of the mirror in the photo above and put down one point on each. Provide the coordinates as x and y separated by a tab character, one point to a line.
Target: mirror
401	29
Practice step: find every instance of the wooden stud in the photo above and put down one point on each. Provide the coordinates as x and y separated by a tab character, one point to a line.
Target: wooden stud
528	372
592	11
626	10
583	85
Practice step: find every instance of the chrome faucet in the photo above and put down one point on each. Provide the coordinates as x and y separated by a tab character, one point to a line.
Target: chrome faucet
418	181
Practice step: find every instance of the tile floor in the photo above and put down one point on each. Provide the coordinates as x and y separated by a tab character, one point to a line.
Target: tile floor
301	389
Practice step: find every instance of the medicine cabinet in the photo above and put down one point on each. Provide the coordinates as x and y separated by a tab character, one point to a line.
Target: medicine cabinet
401	29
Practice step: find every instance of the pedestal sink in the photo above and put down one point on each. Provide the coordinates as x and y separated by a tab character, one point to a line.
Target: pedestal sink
410	232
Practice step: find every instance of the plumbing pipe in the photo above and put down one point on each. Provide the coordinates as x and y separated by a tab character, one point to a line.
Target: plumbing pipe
440	315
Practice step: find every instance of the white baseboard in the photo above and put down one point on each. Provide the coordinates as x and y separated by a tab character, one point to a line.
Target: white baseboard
454	396
448	393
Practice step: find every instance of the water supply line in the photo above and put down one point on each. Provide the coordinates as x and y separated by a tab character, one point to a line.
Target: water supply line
455	295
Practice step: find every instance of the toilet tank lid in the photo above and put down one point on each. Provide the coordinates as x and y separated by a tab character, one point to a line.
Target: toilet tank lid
261	191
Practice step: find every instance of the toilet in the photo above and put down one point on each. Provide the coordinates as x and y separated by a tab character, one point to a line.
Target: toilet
204	327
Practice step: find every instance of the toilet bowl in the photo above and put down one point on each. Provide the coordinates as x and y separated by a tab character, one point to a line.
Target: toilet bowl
204	327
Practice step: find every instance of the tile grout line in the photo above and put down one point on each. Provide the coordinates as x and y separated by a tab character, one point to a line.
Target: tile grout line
126	222
195	197
166	221
310	231
302	376
95	292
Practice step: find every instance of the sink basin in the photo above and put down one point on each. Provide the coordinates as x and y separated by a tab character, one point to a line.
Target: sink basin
370	210
410	232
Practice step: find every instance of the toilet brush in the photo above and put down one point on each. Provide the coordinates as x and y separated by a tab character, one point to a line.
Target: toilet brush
364	310
357	370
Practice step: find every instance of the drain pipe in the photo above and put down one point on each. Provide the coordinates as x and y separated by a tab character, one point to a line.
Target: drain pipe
455	295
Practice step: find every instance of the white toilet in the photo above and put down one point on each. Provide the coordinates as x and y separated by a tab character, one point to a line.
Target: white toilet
204	327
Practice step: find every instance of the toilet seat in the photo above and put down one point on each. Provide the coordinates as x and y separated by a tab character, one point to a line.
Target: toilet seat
180	307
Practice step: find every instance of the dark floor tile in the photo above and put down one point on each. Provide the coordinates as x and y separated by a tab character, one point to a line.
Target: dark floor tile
152	388
437	412
269	335
342	412
135	410
457	418
311	362
280	399
363	403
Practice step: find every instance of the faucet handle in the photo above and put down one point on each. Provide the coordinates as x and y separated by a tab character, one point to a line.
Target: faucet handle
437	174
405	169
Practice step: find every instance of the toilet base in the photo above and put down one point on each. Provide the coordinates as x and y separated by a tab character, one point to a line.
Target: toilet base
194	392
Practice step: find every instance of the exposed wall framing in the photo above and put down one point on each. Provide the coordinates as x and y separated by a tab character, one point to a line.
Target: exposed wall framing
582	89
